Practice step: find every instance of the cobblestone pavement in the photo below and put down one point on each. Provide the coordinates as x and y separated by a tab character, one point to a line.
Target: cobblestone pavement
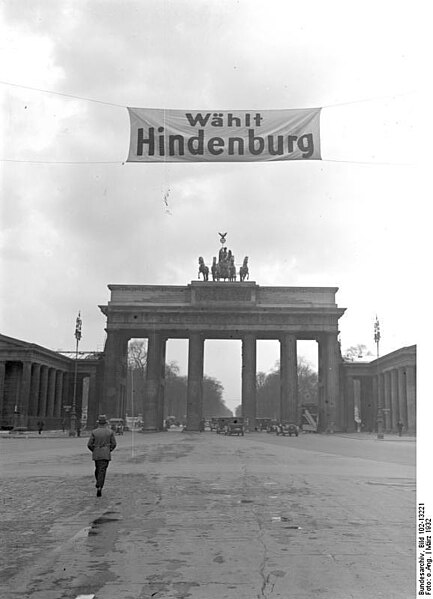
205	516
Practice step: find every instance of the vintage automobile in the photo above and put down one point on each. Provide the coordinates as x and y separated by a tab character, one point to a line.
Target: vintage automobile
117	425
287	429
271	426
213	423
262	424
235	426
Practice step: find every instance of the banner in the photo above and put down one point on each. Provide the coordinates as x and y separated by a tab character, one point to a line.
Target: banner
159	135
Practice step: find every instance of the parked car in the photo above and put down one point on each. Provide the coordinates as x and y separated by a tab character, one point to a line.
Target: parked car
271	426
235	427
287	429
117	425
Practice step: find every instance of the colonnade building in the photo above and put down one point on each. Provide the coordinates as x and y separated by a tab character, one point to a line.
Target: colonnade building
37	383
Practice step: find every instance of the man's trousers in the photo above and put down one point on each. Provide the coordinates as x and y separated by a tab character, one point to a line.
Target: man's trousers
100	471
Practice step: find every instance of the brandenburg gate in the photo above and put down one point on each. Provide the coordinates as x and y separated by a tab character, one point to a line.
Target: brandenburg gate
222	310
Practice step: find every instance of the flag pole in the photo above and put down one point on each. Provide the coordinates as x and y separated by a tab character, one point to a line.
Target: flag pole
73	428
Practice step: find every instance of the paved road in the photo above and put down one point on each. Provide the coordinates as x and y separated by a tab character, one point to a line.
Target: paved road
205	516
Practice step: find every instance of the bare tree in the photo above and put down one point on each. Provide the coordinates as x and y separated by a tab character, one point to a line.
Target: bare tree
137	355
356	352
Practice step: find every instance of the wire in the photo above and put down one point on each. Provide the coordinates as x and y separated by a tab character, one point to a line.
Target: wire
118	162
47	91
370	163
373	99
167	193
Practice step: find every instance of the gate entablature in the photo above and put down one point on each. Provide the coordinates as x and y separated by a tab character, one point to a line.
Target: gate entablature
222	307
199	292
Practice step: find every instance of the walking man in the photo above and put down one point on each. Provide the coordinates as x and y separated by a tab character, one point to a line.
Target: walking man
101	444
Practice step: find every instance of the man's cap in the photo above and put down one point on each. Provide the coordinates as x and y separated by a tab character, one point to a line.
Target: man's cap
102	419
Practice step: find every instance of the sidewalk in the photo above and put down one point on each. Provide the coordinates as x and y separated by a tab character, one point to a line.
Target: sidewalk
373	436
35	435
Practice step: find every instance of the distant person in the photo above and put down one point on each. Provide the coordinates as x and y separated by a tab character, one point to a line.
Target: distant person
63	425
41	425
400	428
101	443
78	428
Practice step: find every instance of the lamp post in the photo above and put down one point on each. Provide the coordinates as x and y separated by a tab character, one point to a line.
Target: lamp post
73	428
377	335
379	394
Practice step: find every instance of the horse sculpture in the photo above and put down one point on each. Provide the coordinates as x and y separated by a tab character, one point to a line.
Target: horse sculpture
214	269
232	269
203	269
243	271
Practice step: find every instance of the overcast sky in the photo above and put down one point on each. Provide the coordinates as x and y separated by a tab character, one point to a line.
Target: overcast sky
355	220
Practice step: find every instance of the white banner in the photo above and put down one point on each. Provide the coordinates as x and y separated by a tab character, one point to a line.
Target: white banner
159	135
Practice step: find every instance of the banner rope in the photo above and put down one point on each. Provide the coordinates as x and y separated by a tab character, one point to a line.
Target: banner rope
47	91
118	162
167	164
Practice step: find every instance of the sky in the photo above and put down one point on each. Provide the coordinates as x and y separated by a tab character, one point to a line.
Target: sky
357	220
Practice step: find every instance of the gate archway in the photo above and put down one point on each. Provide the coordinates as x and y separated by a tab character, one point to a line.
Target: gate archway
222	310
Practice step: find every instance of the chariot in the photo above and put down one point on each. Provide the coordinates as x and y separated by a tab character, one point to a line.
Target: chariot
225	268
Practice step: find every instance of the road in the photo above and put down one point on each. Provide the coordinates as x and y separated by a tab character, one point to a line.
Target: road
204	516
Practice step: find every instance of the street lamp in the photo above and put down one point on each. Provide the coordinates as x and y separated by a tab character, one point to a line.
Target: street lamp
73	428
377	335
379	394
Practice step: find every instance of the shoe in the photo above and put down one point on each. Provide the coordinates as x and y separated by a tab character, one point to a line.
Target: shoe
99	493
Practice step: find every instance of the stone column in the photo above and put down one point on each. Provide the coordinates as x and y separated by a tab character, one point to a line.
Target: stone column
342	410
2	387
394	399
153	382
116	347
249	386
402	402
380	405
387	394
288	379
51	392
92	405
24	398
332	379
42	403
34	390
161	398
411	398
67	393
367	404
194	400
59	394
375	383
350	404
321	385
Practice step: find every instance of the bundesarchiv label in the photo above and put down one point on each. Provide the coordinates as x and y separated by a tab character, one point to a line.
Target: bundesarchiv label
424	552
